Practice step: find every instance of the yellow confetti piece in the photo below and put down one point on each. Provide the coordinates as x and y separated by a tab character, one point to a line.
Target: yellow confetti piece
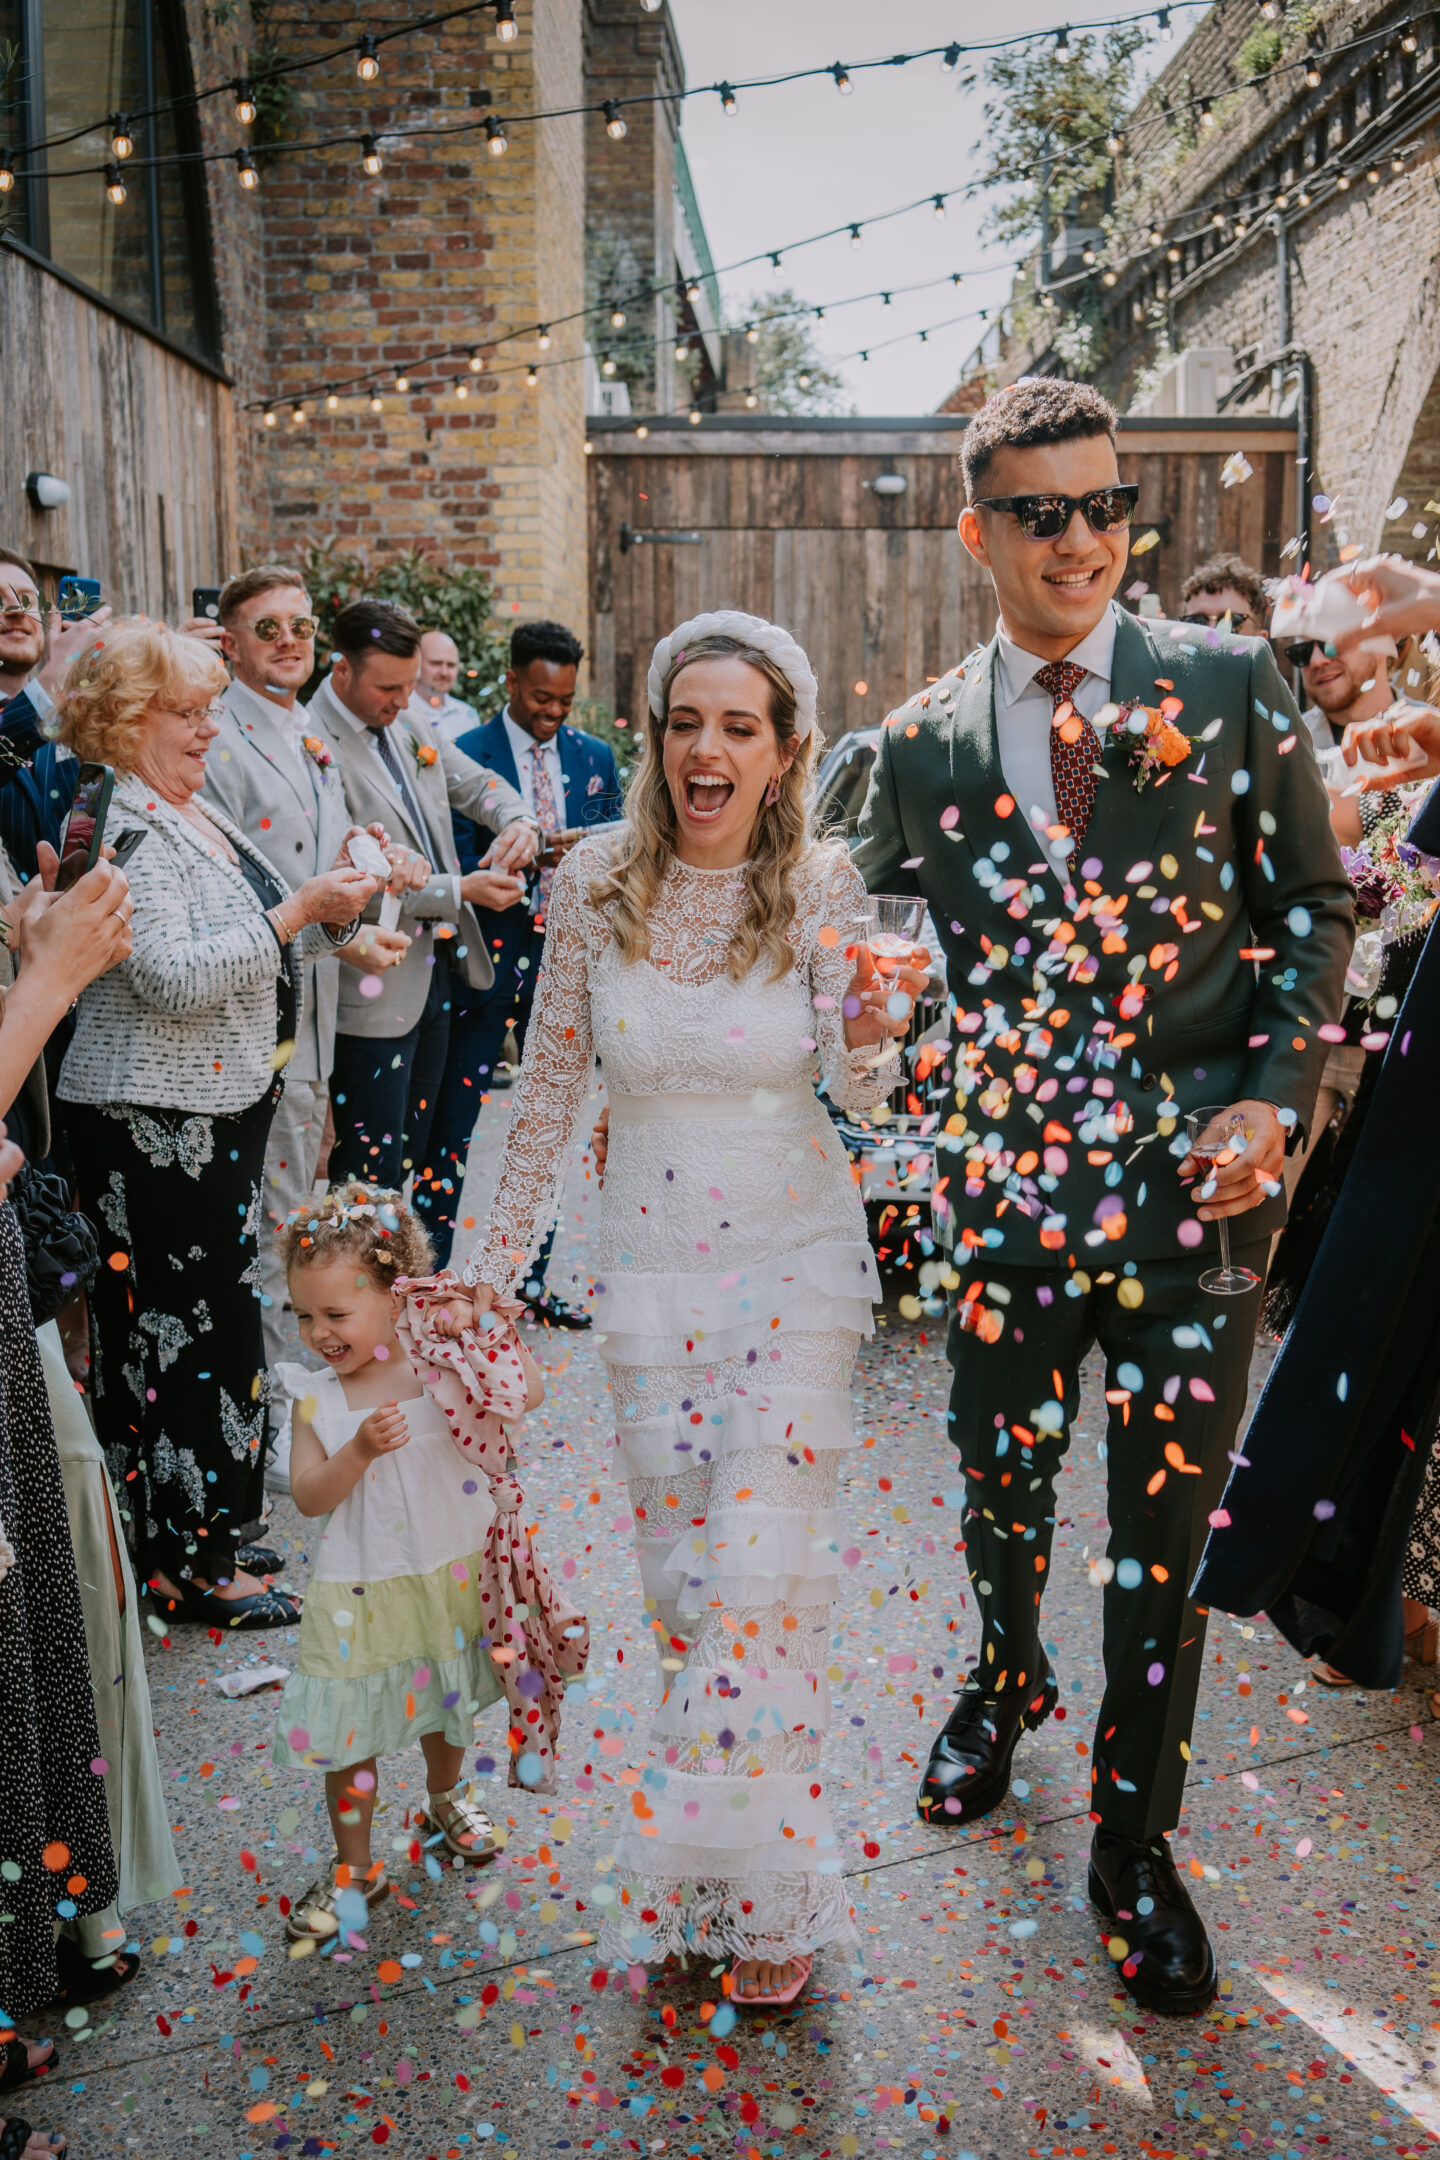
1143	545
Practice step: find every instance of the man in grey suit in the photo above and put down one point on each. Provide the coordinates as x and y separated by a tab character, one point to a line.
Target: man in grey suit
393	1032
267	772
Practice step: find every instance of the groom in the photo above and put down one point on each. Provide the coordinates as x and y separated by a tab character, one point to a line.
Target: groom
1143	912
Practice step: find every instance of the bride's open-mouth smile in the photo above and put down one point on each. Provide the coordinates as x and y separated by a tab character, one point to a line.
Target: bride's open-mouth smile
705	795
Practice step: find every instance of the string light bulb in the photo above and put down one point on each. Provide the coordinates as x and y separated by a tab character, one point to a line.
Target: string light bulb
774	266
367	66
462	388
1312	72
1217	219
803	379
751	401
1114	143
857	238
495	141
728	99
694	416
402	382
752	334
1397	163
642	433
1062	44
1087	255
377	403
1172	254
247	171
842	79
1269	9
114	185
1107	277
615	126
269	416
692	291
332	402
506	27
370	156
245	107
1303	198
940	209
532	376
477	361
1162	24
1156	236
682	348
542	337
1409	43
1342	181
617	318
7	172
607	365
297	414
950	58
1207	113
1373	176
122	142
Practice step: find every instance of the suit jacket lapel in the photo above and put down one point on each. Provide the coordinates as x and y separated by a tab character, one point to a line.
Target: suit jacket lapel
1125	822
263	733
499	756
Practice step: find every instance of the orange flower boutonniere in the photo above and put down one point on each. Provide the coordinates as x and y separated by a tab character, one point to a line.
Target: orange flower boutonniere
1150	740
425	753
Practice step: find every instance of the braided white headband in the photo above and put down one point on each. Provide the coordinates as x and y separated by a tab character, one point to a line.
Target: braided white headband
752	630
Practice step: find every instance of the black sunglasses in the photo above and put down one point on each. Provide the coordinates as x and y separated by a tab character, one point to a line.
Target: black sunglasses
1303	651
1213	622
1045	517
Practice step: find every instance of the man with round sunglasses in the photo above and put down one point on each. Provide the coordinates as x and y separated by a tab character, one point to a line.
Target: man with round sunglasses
1341	687
1143	910
269	773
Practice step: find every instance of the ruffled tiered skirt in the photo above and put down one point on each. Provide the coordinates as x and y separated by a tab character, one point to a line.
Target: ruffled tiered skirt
731	1393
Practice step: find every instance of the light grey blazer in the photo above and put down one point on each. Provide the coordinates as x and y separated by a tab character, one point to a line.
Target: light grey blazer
452	781
188	1021
294	811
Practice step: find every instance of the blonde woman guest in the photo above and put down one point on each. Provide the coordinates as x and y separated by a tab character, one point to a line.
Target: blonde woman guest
707	950
168	1090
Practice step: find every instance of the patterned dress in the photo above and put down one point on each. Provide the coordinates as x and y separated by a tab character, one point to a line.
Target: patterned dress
734	1283
56	1861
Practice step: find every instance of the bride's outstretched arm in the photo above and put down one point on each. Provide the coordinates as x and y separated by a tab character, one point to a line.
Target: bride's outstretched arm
559	1048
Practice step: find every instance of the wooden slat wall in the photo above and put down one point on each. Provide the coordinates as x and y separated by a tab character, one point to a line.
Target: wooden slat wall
877	589
144	439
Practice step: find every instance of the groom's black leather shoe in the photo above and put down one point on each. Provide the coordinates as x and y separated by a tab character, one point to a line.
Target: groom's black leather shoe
968	1773
1168	1964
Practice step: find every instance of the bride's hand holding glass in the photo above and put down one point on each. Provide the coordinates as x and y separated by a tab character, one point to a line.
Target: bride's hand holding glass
880	995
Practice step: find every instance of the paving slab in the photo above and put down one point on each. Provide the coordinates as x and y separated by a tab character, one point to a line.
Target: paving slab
976	2014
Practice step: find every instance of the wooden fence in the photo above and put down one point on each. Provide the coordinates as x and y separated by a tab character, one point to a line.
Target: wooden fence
784	519
142	435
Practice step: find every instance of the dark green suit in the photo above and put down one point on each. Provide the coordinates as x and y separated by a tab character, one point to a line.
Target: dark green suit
1091	1017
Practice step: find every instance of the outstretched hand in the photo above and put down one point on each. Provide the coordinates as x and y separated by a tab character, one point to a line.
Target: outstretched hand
1400	599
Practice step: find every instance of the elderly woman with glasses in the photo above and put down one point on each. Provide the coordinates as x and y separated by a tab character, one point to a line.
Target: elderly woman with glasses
168	1090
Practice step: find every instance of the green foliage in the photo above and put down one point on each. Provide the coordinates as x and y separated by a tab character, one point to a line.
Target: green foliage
455	599
1046	108
598	720
1260	51
785	351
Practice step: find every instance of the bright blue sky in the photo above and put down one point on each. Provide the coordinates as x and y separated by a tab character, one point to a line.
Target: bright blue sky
793	160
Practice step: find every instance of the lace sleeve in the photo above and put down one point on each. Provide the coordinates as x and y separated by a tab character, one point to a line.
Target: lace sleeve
559	1049
856	1081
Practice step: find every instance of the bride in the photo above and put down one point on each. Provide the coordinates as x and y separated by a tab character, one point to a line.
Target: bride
705	953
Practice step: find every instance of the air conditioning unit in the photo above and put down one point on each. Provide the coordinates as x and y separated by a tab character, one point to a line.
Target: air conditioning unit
1192	386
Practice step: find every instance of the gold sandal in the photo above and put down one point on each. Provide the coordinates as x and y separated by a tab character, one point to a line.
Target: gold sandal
462	1821
313	1918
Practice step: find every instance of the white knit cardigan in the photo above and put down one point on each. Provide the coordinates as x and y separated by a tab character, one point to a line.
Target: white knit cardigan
188	1021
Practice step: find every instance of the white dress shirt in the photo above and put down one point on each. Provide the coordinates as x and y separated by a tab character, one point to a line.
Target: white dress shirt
449	715
1024	712
522	749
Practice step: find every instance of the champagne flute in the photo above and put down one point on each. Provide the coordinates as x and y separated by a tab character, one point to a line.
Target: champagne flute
1213	1133
891	925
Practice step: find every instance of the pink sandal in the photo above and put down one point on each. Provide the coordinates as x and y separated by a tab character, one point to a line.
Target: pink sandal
779	1998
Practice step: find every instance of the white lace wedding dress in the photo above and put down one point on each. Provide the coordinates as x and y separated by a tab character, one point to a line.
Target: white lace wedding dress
734	1282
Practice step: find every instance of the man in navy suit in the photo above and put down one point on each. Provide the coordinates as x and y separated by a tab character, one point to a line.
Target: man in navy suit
34	659
568	780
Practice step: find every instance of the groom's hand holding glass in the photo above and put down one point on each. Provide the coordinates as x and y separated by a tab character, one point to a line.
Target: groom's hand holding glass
1249	1175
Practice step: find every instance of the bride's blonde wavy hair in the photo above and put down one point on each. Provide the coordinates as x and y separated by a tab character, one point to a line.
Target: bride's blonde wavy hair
780	839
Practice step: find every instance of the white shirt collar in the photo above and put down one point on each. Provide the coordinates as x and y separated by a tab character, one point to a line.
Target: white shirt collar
522	743
1095	653
290	719
337	705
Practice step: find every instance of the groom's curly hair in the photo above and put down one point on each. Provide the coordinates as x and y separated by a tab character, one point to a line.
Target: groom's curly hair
1033	412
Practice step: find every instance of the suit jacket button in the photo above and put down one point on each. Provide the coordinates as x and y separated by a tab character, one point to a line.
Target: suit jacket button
299	847
1149	1083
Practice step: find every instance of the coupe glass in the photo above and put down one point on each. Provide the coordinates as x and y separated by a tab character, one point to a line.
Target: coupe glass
1219	1131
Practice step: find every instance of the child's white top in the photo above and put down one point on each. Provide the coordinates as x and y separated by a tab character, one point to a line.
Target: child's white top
411	1512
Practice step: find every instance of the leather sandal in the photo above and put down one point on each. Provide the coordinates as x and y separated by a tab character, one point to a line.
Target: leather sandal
84	1981
15	2136
313	1918
463	1821
16	2067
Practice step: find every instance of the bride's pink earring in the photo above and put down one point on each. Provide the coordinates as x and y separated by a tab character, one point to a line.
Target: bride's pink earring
772	793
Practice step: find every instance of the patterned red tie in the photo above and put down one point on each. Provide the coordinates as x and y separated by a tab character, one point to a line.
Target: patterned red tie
1074	748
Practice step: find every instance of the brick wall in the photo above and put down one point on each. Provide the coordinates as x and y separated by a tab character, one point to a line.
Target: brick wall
630	217
328	274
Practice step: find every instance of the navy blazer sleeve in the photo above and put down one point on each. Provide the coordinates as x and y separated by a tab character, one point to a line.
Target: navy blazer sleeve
20	724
